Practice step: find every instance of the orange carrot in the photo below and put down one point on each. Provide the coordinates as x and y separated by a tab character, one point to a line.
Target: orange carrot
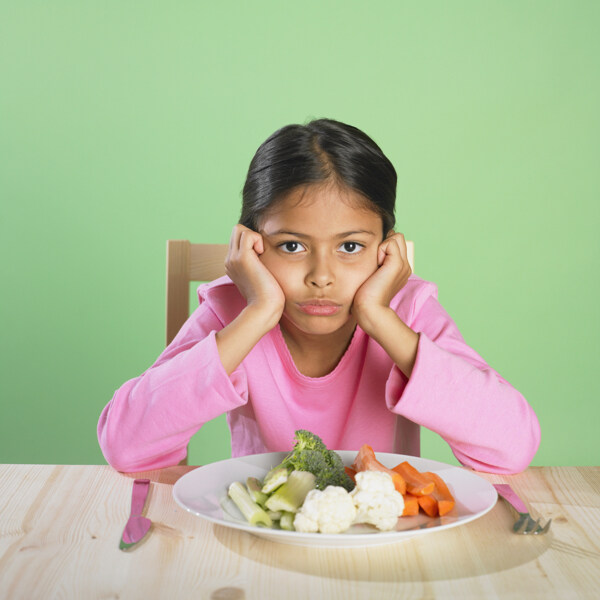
429	505
411	505
441	493
366	461
416	483
351	473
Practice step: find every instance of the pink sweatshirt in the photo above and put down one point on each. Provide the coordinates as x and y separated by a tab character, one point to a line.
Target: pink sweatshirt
365	400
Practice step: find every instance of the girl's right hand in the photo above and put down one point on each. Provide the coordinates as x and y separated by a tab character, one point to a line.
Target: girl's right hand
255	282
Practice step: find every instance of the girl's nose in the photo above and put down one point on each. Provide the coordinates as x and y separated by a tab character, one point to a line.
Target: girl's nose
321	273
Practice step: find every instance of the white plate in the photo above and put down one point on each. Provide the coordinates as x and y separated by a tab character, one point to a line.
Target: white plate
203	492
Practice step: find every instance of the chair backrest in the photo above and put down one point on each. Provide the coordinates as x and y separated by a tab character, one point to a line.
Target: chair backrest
188	262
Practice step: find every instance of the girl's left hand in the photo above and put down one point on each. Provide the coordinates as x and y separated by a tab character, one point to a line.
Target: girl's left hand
376	293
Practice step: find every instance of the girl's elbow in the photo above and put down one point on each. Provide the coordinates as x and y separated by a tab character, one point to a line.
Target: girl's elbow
515	464
517	456
118	453
128	461
510	456
521	444
529	447
131	457
117	456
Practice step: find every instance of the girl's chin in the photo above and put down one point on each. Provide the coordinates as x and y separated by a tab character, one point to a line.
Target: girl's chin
318	325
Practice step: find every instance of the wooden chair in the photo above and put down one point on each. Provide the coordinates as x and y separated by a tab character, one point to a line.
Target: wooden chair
188	262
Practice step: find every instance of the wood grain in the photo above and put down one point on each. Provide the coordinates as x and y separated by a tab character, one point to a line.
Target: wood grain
60	528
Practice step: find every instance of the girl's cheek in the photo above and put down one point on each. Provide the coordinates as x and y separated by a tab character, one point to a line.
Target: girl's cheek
269	258
370	265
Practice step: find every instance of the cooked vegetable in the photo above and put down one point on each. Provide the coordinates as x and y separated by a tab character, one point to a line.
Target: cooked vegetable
254	487
366	461
274	478
429	505
441	493
416	483
351	473
424	490
252	512
290	496
287	521
411	505
376	499
312	455
309	491
330	510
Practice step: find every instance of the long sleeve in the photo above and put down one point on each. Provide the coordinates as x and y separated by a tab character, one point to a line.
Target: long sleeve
452	391
151	418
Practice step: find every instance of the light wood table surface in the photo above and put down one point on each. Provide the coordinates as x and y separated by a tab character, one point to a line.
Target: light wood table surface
60	528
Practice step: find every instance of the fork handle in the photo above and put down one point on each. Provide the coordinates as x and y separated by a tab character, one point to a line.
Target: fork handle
509	495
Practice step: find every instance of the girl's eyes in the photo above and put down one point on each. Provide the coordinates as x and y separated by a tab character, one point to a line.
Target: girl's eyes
291	247
351	247
345	248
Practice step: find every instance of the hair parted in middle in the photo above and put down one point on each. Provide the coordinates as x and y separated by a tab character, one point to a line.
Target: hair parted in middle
323	151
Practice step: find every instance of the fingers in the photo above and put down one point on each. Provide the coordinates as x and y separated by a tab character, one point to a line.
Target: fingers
394	244
243	239
393	251
243	263
401	243
248	272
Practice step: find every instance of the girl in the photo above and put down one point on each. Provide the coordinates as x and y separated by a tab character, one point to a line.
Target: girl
319	325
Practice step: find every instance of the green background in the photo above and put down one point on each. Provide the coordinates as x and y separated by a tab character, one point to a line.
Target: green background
124	124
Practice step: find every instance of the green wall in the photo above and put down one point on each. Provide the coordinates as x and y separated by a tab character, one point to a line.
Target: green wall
125	124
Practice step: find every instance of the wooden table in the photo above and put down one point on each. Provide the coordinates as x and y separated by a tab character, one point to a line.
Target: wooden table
60	528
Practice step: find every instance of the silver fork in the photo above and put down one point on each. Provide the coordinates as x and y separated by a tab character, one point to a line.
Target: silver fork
525	524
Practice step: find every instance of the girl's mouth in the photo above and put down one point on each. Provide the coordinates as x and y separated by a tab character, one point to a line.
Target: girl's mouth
319	308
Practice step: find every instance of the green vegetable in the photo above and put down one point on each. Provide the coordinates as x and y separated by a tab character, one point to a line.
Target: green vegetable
274	478
254	489
253	513
290	496
287	521
311	454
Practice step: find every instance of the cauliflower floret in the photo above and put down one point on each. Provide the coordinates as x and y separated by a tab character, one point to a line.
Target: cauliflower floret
330	510
376	500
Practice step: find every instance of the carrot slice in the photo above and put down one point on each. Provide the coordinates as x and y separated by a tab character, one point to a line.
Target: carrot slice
416	483
441	493
351	473
429	505
411	505
366	461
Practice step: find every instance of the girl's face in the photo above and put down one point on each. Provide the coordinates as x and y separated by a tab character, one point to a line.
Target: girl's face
320	245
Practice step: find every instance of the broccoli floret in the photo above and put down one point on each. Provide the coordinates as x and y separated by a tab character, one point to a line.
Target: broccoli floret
306	440
341	477
312	455
309	460
336	474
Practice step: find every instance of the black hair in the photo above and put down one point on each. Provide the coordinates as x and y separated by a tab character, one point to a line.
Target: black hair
321	151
